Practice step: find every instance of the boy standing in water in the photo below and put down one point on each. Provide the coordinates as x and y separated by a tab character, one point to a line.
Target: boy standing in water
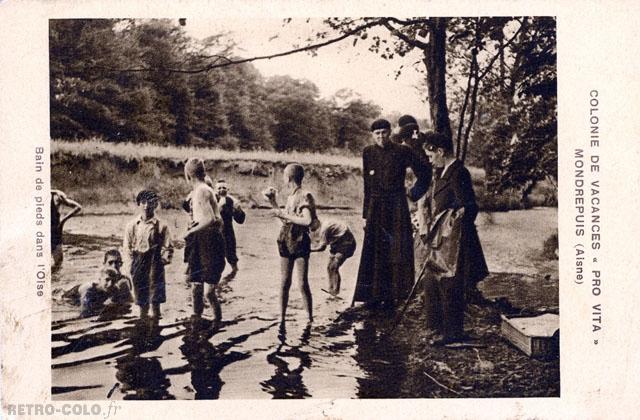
147	245
342	244
204	241
294	244
231	212
58	201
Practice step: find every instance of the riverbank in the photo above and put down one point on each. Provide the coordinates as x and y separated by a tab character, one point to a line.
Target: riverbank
99	174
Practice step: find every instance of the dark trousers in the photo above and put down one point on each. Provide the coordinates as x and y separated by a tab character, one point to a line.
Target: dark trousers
444	306
147	276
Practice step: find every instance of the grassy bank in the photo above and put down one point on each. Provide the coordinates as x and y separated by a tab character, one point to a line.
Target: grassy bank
132	151
100	173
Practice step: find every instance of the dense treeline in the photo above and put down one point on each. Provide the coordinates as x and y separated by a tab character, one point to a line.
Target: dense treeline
489	82
98	90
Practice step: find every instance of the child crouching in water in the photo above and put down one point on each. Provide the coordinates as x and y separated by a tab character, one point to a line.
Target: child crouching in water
342	244
147	245
294	245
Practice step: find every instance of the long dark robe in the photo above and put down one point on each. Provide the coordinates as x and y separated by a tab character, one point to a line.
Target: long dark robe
386	270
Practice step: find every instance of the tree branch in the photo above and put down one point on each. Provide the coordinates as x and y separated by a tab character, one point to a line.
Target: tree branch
409	22
502	48
413	42
465	103
231	62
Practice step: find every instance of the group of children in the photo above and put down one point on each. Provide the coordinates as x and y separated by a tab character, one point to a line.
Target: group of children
209	241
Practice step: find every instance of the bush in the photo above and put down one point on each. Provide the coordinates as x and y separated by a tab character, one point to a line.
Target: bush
497	202
550	247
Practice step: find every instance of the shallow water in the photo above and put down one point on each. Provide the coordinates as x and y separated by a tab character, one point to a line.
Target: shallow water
341	355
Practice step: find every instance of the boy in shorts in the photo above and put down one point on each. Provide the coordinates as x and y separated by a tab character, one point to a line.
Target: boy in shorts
204	241
294	244
342	244
147	246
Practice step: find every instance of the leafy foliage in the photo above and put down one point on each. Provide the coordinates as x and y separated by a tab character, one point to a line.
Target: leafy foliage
117	80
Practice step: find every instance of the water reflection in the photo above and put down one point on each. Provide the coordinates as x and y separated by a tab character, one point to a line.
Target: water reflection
142	378
381	358
205	361
289	362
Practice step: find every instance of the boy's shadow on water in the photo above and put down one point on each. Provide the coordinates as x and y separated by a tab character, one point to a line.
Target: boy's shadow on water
144	376
286	381
205	361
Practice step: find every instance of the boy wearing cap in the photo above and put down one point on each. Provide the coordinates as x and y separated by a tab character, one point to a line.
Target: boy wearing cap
147	246
204	241
386	272
450	233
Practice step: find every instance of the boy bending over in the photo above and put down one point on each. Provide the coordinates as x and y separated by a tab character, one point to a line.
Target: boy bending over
342	244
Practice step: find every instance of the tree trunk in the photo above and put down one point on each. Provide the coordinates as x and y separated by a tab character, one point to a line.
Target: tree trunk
436	64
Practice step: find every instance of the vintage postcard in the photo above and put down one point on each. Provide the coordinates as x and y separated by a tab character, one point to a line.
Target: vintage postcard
368	209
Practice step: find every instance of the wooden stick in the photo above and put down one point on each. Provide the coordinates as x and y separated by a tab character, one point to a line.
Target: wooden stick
442	385
400	315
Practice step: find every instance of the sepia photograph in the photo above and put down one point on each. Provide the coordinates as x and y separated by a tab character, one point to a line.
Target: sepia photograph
268	208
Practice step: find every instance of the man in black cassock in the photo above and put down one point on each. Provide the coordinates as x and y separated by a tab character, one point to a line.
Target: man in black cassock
386	272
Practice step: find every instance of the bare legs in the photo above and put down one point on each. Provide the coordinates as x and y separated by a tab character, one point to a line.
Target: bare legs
333	270
56	258
198	293
301	266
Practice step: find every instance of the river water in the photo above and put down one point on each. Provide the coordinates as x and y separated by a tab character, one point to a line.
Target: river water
343	354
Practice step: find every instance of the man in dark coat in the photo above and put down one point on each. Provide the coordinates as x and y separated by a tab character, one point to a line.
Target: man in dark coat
230	211
452	191
386	271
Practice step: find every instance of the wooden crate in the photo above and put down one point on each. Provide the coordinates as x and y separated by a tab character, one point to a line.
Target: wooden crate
536	336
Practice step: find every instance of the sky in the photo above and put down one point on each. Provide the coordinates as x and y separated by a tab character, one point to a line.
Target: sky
336	66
